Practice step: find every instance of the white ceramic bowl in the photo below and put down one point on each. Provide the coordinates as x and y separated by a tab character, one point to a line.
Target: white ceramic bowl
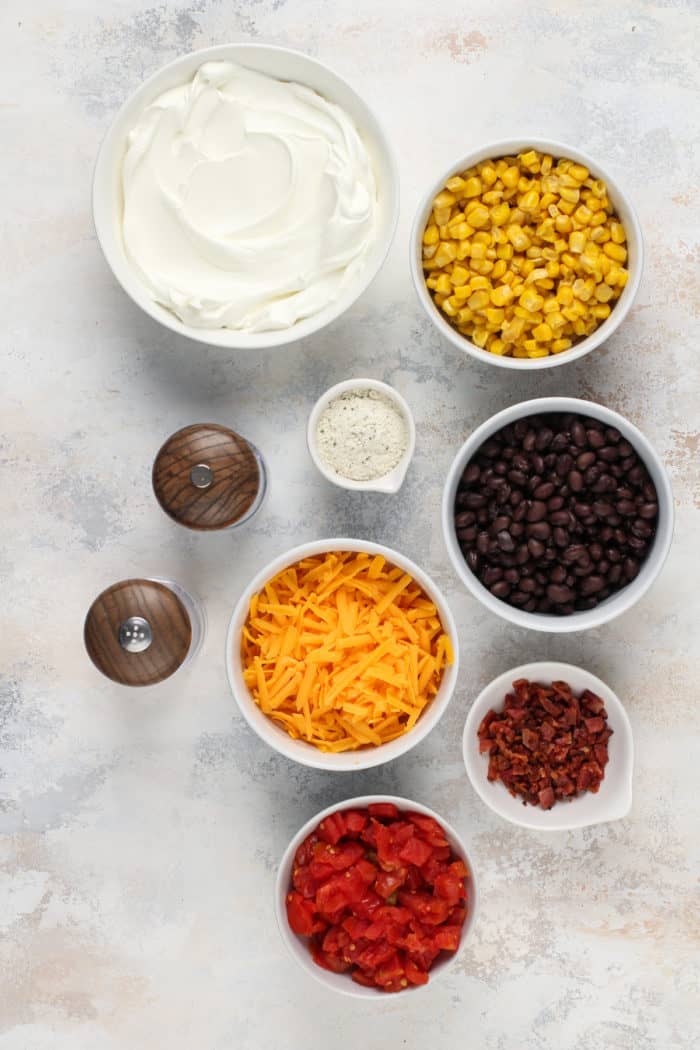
283	64
298	946
298	750
614	798
617	603
390	482
623	208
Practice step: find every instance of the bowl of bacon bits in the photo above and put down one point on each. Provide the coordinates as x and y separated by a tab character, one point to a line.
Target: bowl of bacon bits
549	746
375	895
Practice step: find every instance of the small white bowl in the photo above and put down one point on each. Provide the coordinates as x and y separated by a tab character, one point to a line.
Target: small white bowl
284	64
617	603
298	750
390	482
298	946
614	798
623	208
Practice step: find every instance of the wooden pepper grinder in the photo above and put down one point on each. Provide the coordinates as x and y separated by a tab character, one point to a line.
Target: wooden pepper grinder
139	632
208	477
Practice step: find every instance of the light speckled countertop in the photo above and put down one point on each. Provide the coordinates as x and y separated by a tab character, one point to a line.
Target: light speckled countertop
140	832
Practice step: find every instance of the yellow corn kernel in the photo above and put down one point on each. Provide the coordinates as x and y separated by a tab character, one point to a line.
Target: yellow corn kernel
479	336
551	304
462	231
583	215
512	330
455	185
537	351
478	251
546	164
442	215
605	266
577	242
580	327
556	320
601	311
560	344
617	233
481	266
563	224
567	207
505	251
531	301
495	315
529	201
465	315
439	299
510	177
444	284
450	308
499	214
445	199
529	159
499	268
478	217
621	278
604	293
444	232
552	268
492	197
460	275
431	282
446	253
615	251
579	172
517	237
501	295
472	187
496	346
431	234
488	173
598	218
480	282
479	299
543	333
519	351
569	194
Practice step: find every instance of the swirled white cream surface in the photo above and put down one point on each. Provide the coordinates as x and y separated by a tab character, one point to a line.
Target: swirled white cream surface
249	202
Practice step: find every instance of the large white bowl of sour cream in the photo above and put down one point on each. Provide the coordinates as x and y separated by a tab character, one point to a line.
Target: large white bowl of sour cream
245	196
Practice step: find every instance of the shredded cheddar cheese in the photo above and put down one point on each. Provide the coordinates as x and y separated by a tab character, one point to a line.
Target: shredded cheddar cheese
343	650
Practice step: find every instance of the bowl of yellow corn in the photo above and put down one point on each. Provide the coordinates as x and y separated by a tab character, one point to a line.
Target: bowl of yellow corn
526	254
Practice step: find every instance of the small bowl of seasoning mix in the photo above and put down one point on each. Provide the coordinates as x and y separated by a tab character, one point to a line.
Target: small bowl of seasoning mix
361	436
557	514
549	746
526	254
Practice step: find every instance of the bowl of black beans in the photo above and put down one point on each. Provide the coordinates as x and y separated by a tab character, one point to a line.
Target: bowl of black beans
557	514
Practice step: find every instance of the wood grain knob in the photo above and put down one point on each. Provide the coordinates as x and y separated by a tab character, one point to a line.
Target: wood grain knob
208	477
138	632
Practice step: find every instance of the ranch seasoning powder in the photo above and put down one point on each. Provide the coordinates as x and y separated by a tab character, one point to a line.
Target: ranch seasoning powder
361	435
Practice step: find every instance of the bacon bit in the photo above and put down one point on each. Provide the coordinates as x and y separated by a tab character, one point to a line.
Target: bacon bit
546	744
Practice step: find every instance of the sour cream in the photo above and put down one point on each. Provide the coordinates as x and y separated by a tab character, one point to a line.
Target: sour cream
249	202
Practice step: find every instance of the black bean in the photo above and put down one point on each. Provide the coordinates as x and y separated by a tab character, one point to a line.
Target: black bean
518	598
539	530
527	585
529	441
516	529
544	491
471	474
578	433
613	435
506	541
585	460
582	510
535	547
499	523
592	584
543	439
595	438
536	511
560	537
648	510
564	464
517	477
559	593
467	535
558	575
575	480
641	528
626	507
473	561
500	589
482	542
555	503
560	517
511	575
537	463
522	555
520	511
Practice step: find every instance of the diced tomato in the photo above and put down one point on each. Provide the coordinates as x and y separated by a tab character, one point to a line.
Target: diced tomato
320	872
415	851
432	868
300	913
457	916
335	963
390	972
335	941
459	868
389	881
391	838
430	910
430	829
355	927
362	978
442	852
367	905
369	835
383	810
447	938
375	955
339	892
354	821
448	886
305	851
338	857
366	871
414	879
304	882
413	973
332	828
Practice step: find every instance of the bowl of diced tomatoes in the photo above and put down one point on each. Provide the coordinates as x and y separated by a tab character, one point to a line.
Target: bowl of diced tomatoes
375	895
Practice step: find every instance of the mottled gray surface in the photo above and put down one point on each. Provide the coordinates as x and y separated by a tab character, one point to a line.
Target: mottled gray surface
141	832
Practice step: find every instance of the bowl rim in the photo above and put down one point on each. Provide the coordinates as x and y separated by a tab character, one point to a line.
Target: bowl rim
281	888
621	201
617	603
477	775
129	281
390	482
306	754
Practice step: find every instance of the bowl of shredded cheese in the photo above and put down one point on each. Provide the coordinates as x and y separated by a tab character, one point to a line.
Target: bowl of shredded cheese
342	654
